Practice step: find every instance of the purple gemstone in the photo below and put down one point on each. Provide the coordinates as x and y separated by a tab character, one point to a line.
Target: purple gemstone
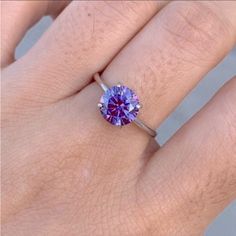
119	105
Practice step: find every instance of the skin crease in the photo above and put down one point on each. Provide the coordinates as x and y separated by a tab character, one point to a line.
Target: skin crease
65	171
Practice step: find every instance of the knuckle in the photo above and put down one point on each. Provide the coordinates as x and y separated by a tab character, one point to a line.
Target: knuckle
154	203
196	28
128	11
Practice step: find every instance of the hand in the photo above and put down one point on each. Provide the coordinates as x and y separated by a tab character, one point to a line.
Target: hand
65	170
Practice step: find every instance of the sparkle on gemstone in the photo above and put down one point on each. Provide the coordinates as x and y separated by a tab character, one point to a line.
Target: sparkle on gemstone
119	105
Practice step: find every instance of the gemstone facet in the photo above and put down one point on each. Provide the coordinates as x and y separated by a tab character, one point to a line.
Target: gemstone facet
119	105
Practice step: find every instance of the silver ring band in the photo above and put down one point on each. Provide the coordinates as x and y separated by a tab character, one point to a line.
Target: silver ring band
137	121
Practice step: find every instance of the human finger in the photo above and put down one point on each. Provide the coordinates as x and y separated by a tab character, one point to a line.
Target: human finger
17	17
166	60
193	177
83	39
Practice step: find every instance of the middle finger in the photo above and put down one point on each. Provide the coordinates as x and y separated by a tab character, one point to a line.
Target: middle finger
82	40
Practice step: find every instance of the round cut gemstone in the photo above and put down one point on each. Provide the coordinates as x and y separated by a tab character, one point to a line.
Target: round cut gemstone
119	105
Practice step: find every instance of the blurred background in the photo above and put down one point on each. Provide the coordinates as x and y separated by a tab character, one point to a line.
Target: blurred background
225	223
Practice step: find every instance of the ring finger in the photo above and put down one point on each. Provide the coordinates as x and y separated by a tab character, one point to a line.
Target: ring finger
164	62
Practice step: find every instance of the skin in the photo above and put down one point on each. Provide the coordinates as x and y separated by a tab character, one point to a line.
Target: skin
65	171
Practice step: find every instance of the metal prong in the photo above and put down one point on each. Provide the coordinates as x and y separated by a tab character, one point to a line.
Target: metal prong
99	105
139	106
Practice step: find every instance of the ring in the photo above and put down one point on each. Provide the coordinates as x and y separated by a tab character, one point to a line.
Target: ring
119	105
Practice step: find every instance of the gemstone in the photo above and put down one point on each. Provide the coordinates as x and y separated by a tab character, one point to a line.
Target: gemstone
119	105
